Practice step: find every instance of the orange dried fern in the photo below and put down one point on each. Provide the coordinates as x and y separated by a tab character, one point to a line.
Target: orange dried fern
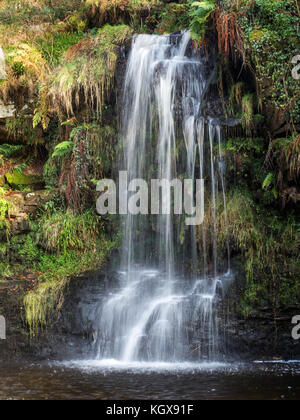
230	34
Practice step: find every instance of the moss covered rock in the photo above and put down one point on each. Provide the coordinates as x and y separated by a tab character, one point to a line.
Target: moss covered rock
15	179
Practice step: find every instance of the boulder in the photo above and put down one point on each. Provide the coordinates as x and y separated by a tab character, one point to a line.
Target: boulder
16	179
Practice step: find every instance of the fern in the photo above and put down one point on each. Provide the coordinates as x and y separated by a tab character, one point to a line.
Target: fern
20	168
8	150
199	13
268	182
63	149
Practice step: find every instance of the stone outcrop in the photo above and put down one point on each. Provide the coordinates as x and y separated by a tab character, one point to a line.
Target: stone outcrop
7	111
15	179
24	204
70	336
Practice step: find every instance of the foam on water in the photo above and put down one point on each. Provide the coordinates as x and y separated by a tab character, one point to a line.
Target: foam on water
107	365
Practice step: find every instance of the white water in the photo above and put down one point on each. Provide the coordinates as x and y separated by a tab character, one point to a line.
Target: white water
158	315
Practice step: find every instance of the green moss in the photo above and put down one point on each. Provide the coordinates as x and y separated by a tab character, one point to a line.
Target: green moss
257	35
41	303
16	179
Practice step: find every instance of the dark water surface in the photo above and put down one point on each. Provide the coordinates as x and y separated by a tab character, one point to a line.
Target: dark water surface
109	380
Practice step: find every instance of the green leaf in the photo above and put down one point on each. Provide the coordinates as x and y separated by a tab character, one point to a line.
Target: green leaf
63	149
268	182
199	13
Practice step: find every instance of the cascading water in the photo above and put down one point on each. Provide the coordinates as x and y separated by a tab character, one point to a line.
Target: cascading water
159	314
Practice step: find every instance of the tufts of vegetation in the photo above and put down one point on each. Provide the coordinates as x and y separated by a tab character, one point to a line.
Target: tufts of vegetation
67	231
247	110
284	162
54	44
10	150
270	30
173	17
5	206
268	248
86	76
41	303
74	244
116	11
28	12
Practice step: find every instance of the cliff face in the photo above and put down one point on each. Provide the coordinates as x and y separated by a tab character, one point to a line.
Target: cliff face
69	336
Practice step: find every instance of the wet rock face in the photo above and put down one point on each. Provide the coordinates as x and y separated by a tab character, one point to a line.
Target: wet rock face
17	343
263	334
72	333
244	339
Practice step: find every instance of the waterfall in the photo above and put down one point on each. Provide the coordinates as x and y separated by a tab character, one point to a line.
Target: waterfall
156	312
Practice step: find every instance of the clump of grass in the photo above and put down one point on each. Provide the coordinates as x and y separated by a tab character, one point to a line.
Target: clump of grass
236	96
268	247
69	231
290	158
35	11
242	225
54	45
41	303
74	244
247	110
88	71
5	206
238	225
26	68
114	10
